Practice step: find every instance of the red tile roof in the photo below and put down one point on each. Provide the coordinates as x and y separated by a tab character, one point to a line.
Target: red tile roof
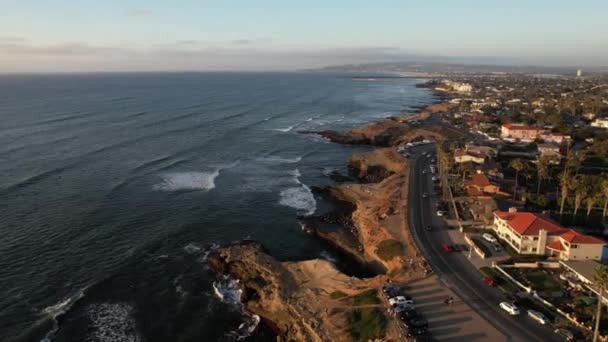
479	179
556	246
526	223
575	237
521	127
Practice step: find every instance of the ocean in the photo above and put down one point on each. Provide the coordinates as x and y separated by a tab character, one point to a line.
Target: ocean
115	187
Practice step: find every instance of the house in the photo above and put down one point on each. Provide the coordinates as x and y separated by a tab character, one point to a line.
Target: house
551	151
537	234
480	185
601	123
520	132
554	138
464	156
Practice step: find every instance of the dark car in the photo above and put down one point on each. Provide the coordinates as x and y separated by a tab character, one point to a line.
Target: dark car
429	228
565	333
408	315
415	331
418	322
456	248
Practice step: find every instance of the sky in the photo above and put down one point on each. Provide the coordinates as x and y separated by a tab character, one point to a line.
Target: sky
136	35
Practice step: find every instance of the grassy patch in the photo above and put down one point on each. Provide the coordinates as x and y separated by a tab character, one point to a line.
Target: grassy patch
388	249
337	295
542	281
502	283
365	297
365	324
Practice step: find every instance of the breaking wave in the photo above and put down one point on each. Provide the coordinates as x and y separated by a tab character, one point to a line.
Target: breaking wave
299	197
191	180
192	248
229	292
188	181
286	129
277	159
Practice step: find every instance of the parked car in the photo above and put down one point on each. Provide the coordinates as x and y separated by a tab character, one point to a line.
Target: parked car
425	171
425	195
489	281
489	237
429	228
512	309
415	332
446	248
565	333
418	322
435	178
403	307
440	213
538	316
408	315
455	248
497	248
390	290
400	300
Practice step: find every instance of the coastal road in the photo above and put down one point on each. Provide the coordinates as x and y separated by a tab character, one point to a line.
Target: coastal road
454	269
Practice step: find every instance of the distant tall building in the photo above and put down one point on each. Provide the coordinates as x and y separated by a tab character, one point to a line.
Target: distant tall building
579	73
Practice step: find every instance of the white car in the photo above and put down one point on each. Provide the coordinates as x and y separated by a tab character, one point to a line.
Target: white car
434	178
400	300
440	213
489	237
510	308
537	316
425	172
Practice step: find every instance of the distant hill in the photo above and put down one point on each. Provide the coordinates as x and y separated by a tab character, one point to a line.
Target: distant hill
439	67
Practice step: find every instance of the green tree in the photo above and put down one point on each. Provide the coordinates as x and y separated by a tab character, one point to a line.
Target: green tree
542	171
601	282
605	194
518	165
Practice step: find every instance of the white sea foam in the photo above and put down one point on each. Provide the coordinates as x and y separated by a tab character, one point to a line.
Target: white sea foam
178	287
228	290
277	159
325	255
299	197
111	322
286	129
192	248
188	181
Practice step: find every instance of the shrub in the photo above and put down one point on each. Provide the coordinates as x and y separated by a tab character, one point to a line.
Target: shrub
388	249
366	324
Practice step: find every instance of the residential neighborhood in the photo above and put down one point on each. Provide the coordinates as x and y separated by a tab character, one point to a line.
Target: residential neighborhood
530	177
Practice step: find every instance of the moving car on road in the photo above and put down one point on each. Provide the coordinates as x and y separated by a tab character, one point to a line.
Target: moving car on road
429	228
565	333
489	281
512	309
440	213
489	237
446	248
537	316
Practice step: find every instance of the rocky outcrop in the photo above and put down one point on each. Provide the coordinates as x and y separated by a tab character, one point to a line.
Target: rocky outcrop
294	296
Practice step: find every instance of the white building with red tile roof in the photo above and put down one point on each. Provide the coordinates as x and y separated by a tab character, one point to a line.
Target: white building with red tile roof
533	233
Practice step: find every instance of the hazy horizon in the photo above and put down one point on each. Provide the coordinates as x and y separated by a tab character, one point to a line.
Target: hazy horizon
60	36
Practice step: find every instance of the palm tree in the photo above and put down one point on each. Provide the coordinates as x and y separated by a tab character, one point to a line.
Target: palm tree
601	280
517	165
605	194
564	191
592	193
578	186
575	160
542	171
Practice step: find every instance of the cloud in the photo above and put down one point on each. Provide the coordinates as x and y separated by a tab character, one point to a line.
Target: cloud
12	40
139	12
242	41
22	47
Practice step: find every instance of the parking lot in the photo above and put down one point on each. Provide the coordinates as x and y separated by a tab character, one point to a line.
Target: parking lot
444	321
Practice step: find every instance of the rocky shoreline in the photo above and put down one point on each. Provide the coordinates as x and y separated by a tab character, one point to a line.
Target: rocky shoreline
369	224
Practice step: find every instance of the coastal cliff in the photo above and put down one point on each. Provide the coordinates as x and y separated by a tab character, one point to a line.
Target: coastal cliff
309	300
305	301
